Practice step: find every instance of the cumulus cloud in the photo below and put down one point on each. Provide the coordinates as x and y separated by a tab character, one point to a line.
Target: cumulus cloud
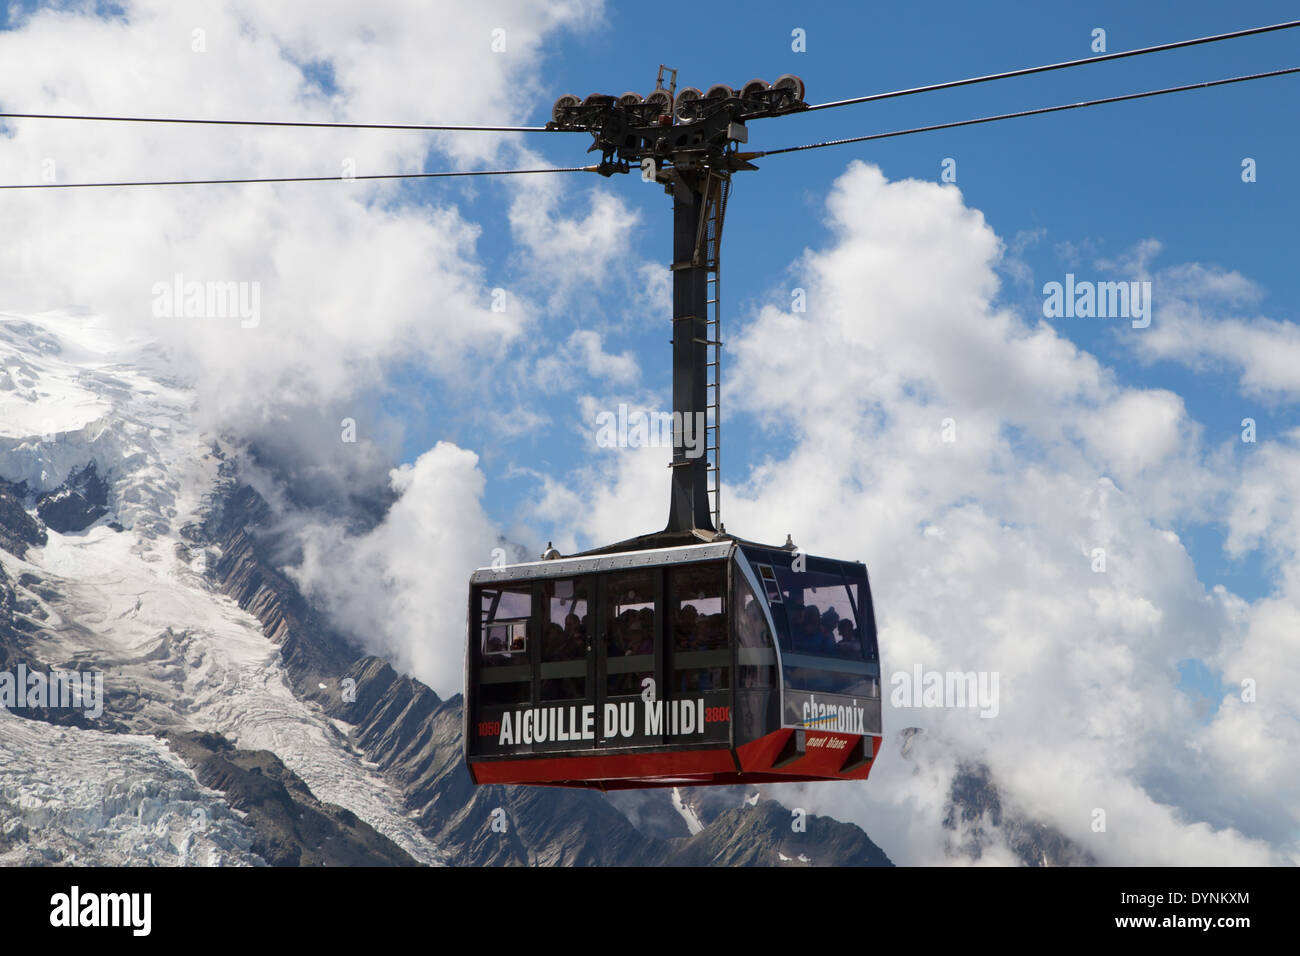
981	465
1263	353
354	280
563	250
400	588
1206	319
583	352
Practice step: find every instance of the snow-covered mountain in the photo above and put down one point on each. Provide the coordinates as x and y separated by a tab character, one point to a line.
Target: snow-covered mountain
69	795
105	582
235	725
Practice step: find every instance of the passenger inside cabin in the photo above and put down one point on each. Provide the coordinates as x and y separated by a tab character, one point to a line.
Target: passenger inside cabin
715	632
575	637
632	632
849	644
553	643
615	642
808	633
643	634
830	620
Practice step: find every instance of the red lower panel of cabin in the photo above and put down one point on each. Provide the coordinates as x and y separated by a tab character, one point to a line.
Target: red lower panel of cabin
780	757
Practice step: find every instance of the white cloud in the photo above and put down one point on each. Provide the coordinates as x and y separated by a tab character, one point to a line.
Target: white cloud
352	279
1201	322
1263	353
400	589
567	254
583	356
621	493
1138	430
981	550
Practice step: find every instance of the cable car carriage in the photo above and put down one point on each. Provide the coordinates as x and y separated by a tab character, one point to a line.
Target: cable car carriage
707	663
687	656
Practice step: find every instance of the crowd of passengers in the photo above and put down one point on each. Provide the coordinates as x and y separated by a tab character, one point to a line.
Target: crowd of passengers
565	643
812	631
633	634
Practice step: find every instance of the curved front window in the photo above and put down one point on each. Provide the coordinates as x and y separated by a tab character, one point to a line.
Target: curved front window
825	625
825	615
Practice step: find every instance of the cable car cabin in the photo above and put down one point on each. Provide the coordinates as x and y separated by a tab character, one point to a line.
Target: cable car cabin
709	663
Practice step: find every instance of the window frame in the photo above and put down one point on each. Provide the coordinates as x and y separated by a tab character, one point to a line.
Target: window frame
697	660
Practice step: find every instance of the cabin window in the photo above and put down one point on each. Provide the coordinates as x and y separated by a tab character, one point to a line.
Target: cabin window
504	614
565	628
505	674
698	623
755	660
630	633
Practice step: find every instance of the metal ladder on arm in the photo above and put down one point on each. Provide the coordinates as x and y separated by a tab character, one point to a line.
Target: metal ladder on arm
715	213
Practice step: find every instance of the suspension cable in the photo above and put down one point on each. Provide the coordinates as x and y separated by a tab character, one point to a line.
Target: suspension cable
1034	112
307	179
1066	64
309	125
